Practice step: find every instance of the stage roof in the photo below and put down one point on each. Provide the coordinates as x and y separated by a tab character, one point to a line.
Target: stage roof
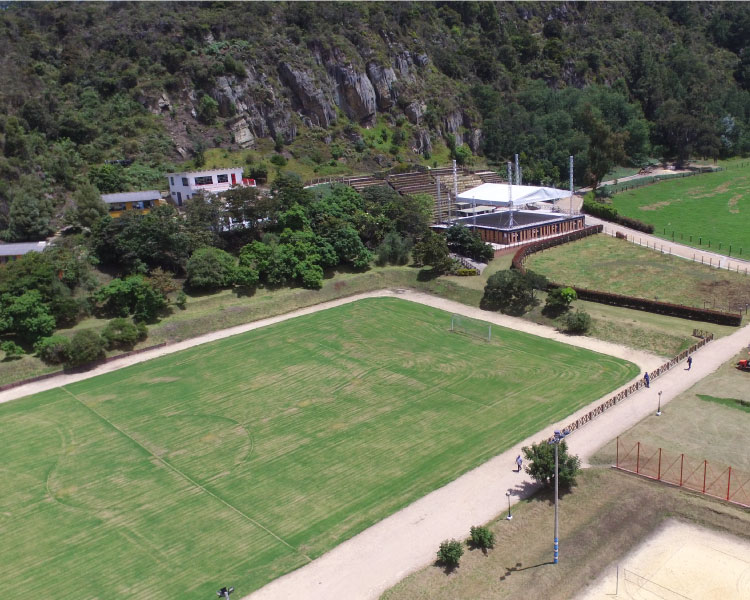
496	194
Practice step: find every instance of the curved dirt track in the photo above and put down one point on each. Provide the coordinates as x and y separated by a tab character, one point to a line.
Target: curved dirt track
379	557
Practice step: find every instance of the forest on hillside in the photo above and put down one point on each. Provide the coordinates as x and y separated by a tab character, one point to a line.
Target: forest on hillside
117	94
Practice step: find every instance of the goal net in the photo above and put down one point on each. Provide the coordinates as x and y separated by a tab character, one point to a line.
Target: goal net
471	327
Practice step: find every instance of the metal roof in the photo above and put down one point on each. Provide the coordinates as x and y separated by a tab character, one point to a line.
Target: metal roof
21	248
131	196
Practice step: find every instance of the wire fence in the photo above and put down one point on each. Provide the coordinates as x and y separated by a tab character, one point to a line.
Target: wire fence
699	475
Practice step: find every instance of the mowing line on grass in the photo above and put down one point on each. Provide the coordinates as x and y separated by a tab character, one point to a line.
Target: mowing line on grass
186	477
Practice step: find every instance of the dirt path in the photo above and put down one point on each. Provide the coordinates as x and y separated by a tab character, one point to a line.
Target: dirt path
377	558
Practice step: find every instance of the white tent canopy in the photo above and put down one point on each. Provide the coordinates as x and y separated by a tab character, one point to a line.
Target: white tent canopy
496	194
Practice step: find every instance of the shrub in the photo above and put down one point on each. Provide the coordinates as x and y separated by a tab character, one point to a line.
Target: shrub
123	333
450	553
85	347
559	300
578	322
482	537
181	300
278	160
54	350
12	350
464	272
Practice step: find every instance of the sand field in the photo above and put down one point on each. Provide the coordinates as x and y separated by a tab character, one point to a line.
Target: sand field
679	561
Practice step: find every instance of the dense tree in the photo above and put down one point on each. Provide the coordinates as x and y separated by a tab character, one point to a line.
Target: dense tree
432	251
559	300
210	268
124	333
131	296
540	459
89	206
467	242
85	347
394	249
54	350
30	216
511	291
26	316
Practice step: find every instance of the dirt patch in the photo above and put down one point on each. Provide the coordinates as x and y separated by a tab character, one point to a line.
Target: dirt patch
162	380
656	205
732	204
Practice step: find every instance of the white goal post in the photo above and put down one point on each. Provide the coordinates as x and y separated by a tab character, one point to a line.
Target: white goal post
472	327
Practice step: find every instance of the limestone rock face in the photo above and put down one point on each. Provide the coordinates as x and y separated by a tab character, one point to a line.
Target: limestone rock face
414	111
452	123
313	102
354	93
382	79
243	137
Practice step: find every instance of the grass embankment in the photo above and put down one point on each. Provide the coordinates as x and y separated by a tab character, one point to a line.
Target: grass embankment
608	513
241	459
608	264
606	516
705	208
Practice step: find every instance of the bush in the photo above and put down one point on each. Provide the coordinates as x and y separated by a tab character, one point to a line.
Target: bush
450	553
482	537
85	347
123	333
464	272
12	350
578	322
181	300
559	300
278	160
54	350
511	291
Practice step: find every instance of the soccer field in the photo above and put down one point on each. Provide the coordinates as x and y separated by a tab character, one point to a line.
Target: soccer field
236	461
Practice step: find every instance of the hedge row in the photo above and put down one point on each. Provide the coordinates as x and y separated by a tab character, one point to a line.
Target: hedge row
654	306
609	213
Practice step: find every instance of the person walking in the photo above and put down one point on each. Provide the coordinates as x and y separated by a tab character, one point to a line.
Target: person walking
519	463
647	379
690	362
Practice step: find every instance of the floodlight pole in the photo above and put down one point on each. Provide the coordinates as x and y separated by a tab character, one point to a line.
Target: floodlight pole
510	516
658	409
571	185
559	435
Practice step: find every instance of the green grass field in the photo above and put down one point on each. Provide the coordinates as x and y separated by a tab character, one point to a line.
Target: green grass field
237	461
604	263
712	207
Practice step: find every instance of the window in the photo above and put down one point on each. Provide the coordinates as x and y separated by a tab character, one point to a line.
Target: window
171	180
222	178
116	207
185	181
208	180
148	203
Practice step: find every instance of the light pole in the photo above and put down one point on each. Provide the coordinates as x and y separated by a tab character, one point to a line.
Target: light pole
559	435
224	593
658	408
510	516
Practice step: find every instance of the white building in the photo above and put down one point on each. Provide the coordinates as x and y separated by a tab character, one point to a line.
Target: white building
182	186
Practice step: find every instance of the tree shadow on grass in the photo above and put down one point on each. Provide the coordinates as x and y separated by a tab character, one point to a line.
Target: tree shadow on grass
428	274
448	569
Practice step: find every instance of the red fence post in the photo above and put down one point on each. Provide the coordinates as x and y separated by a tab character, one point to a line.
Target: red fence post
658	472
729	482
638	459
705	468
682	461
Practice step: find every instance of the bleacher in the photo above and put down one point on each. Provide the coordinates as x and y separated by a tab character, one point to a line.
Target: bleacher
360	183
490	177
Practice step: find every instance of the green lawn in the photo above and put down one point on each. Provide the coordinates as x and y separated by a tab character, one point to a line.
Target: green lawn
240	460
713	208
604	263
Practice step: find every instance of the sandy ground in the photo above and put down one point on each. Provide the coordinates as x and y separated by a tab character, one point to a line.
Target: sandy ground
677	562
379	557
